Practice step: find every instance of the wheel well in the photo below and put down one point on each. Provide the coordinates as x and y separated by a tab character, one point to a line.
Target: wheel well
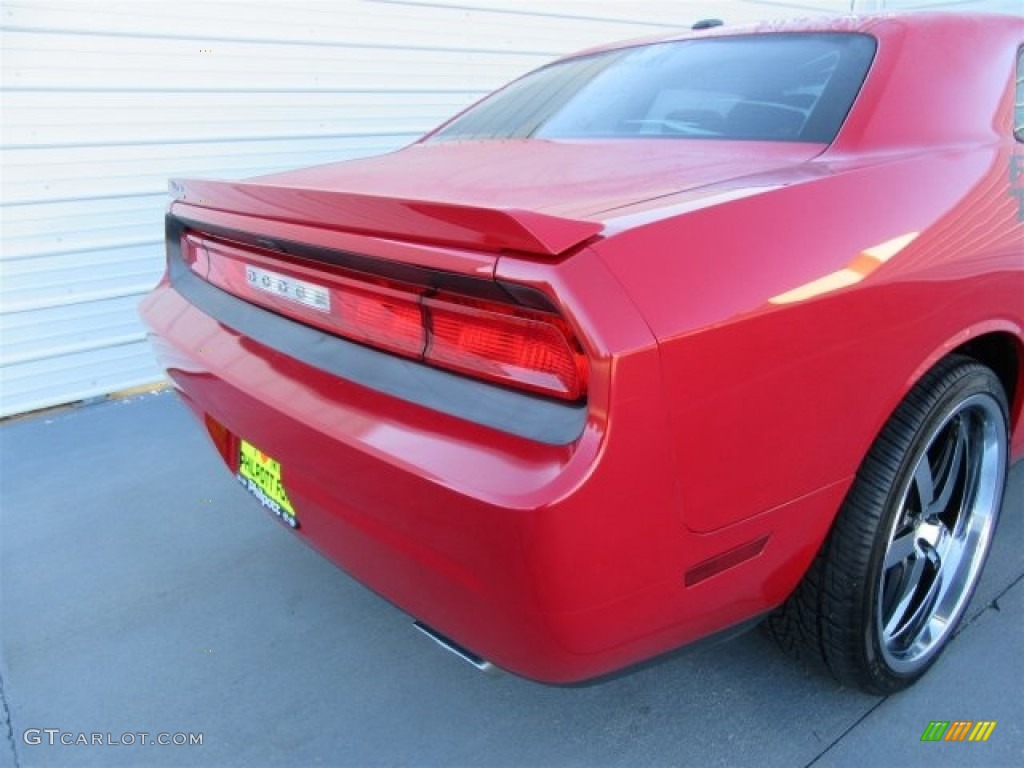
1001	353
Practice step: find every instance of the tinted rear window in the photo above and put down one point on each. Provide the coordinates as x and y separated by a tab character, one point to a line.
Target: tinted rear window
782	87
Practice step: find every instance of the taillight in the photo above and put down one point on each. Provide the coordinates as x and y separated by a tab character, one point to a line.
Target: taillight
193	253
506	344
379	316
494	342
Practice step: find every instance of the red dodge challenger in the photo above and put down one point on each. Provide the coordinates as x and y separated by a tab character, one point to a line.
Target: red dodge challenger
657	341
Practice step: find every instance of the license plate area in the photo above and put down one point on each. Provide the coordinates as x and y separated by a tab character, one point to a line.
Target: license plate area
260	474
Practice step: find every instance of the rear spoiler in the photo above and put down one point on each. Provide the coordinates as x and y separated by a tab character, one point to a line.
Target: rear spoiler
442	223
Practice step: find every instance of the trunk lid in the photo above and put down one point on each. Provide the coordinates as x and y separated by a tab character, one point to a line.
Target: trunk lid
532	196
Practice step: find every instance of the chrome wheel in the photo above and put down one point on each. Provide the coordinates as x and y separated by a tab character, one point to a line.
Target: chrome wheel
893	578
941	532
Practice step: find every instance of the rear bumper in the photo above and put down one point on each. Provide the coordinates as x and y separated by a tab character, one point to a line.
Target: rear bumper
559	562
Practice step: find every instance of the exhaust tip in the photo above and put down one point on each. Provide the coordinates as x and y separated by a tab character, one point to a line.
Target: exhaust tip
452	647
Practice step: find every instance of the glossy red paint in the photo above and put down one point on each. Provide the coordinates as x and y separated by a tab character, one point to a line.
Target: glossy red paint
751	312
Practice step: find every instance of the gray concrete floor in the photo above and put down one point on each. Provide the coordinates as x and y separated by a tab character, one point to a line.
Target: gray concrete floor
144	591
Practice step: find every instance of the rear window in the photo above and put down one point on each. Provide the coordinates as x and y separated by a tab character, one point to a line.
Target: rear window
781	87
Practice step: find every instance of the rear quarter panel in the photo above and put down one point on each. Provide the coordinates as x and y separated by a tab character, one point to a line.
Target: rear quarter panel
794	316
792	322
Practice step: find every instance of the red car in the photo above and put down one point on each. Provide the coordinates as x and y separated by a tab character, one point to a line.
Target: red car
657	341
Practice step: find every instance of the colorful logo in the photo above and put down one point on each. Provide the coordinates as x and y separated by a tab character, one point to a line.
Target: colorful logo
958	730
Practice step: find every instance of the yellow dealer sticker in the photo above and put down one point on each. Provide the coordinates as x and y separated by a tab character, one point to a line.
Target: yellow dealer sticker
261	475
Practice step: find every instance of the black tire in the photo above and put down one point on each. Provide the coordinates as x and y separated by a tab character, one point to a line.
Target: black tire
892	581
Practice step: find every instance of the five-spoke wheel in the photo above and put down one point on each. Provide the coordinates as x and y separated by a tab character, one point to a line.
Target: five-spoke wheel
894	577
941	531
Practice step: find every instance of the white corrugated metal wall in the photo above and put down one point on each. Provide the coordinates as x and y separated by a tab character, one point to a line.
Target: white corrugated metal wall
103	101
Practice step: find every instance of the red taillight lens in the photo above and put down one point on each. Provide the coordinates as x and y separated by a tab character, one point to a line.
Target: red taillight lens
193	253
502	345
381	317
510	345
